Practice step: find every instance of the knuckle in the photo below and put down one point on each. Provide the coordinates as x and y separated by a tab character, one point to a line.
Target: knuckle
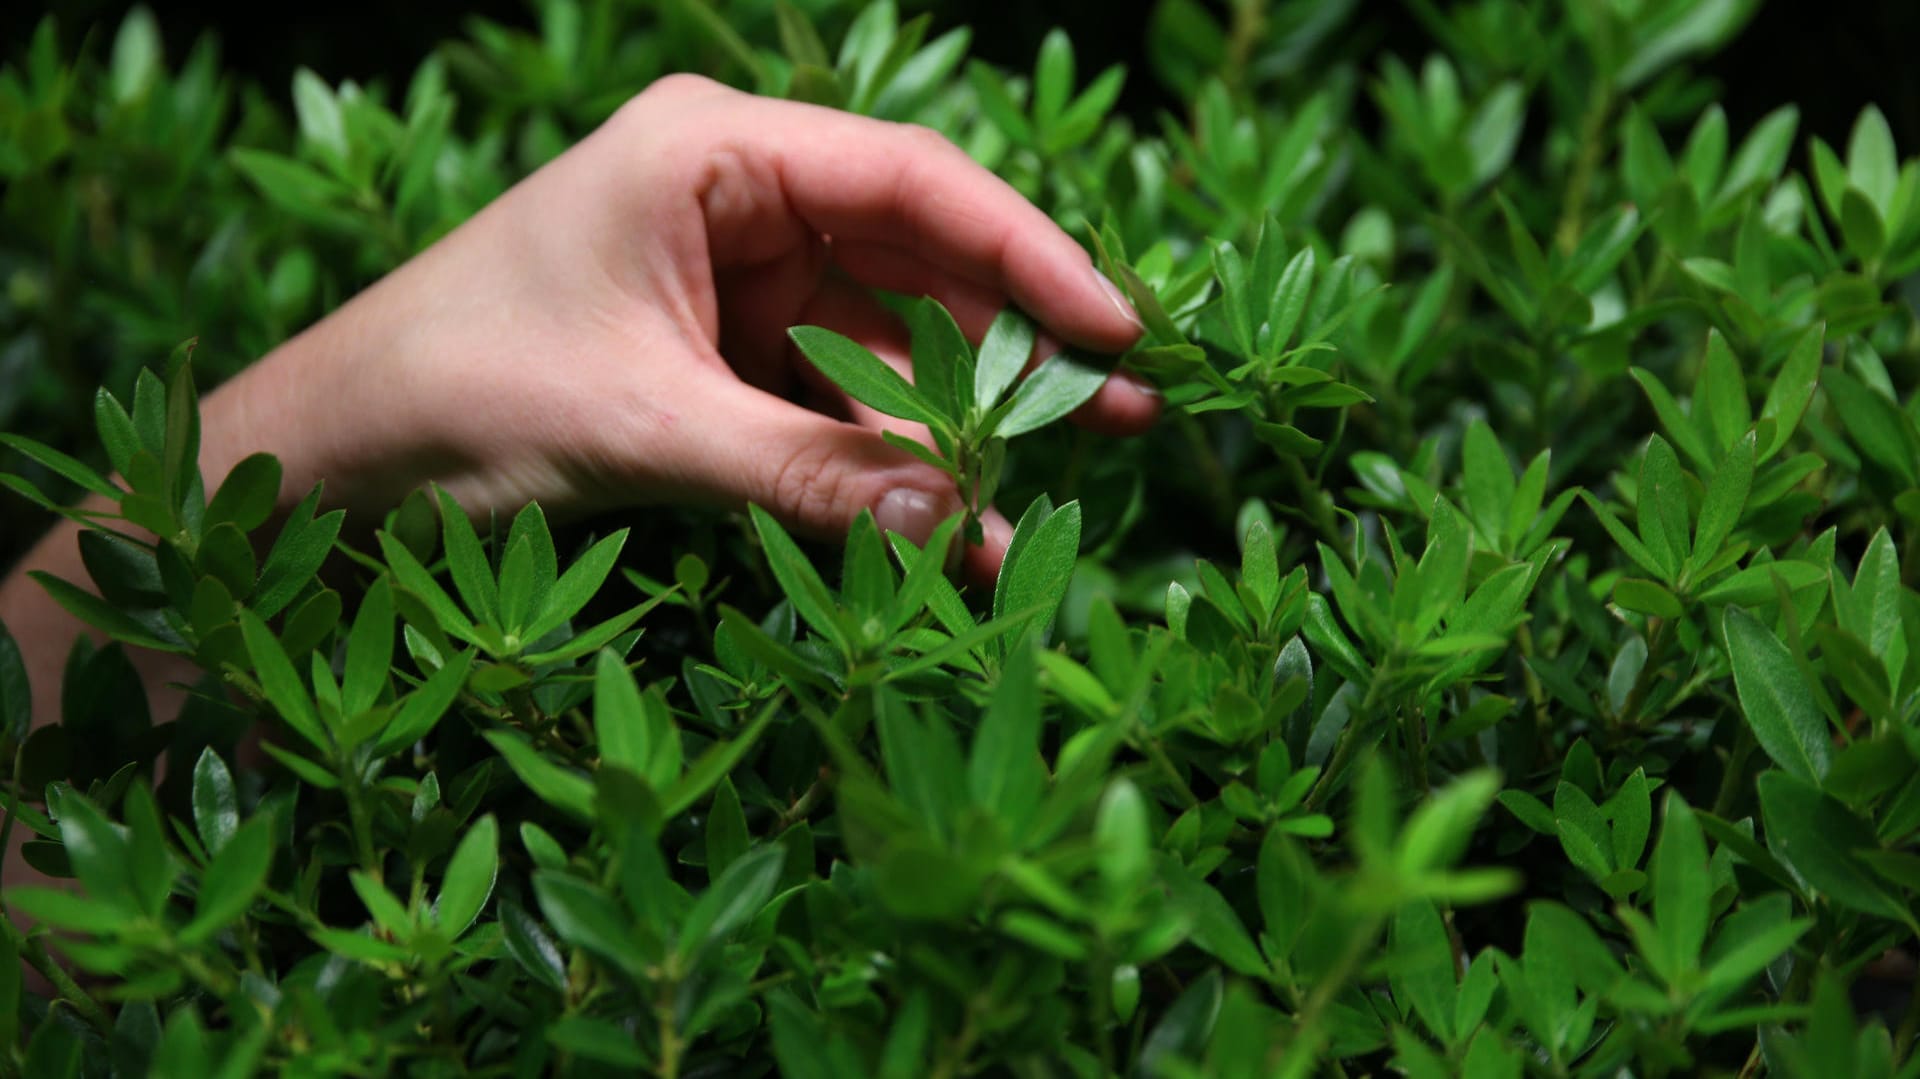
810	487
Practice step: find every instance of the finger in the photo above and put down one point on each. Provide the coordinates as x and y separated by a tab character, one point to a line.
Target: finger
856	178
812	472
981	563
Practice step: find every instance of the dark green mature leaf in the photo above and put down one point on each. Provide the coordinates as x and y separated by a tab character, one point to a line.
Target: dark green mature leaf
296	555
102	615
247	496
1775	699
735	898
280	683
62	465
16	696
216	808
1817	838
866	378
565	790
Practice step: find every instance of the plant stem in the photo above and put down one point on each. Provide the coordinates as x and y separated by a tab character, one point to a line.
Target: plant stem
1536	694
1730	782
35	953
1313	501
1657	649
670	1046
1348	744
1593	128
1335	980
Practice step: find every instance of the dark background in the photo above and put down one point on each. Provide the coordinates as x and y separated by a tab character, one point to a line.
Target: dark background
1830	58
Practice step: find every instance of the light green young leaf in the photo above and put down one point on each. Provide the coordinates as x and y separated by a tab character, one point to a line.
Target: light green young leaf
470	876
1003	355
798	579
866	377
1039	563
1056	388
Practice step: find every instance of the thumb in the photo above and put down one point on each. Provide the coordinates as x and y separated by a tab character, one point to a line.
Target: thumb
812	472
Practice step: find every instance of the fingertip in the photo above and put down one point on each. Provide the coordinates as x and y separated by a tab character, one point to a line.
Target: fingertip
1127	404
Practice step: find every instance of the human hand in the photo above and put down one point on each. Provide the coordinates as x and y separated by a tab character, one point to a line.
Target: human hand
613	330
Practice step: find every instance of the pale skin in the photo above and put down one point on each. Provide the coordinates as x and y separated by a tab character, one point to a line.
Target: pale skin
612	332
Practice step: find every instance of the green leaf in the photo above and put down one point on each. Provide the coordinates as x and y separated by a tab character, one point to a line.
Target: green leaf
1052	78
1213	925
1004	771
472	576
1437	833
233	879
633	729
1003	355
297	554
1662	508
1872	163
1726	498
1056	388
865	377
247	496
421	709
1583	831
1681	886
565	790
414	577
369	649
527	941
1646	597
943	368
95	847
599	1040
16	693
62	465
726	833
1816	837
733	900
1775	698
1792	389
798	579
1039	563
216	808
470	876
281	683
137	56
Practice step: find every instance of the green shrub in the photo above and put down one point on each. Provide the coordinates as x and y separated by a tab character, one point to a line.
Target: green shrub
1501	660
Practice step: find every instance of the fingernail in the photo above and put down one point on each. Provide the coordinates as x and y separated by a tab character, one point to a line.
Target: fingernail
909	511
1140	386
1117	298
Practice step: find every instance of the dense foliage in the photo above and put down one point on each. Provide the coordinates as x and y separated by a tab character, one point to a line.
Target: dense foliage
1501	660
